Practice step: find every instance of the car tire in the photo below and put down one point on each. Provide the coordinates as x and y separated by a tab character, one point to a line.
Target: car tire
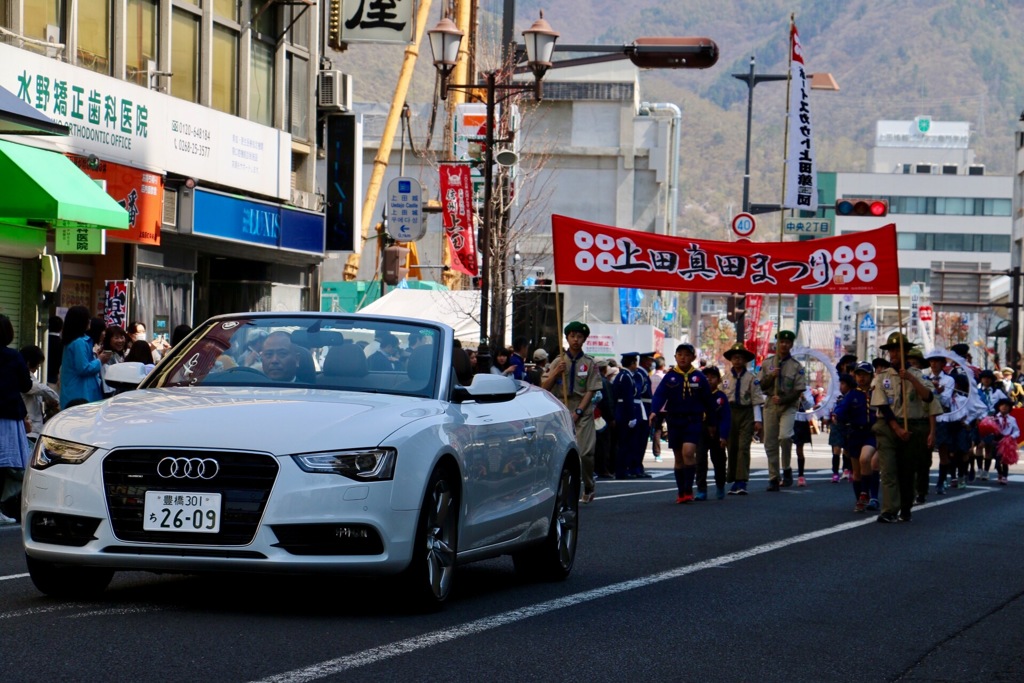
64	581
553	559
430	576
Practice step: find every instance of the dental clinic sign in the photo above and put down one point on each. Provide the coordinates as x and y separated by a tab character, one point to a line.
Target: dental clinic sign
128	124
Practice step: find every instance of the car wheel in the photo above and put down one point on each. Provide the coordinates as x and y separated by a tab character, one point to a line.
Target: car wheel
63	581
429	577
552	560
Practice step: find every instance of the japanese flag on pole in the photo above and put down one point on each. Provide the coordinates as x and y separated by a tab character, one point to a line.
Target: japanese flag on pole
801	172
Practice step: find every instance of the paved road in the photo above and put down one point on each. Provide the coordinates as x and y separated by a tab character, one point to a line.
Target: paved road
791	586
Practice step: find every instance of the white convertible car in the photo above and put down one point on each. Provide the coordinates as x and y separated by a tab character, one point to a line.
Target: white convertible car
305	443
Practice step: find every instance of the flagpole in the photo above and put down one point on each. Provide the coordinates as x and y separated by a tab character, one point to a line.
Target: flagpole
785	163
558	317
903	353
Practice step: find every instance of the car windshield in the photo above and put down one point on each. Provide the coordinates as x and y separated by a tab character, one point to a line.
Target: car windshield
345	354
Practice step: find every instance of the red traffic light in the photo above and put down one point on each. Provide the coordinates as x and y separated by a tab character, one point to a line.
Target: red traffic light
673	53
854	206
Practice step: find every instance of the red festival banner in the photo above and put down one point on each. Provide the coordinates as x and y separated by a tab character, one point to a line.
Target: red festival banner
141	193
602	256
752	316
457	217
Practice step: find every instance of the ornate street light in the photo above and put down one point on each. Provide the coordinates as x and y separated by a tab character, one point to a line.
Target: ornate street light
445	39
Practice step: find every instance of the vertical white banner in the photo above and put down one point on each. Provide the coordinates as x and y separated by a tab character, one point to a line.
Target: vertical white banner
915	311
801	173
847	322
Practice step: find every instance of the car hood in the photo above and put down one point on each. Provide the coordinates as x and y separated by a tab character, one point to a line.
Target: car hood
271	420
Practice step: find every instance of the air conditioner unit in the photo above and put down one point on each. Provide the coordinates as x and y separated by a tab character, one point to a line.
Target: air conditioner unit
334	90
976	169
923	168
949	169
170	212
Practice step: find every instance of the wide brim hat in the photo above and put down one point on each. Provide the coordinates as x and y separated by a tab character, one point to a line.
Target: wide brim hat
786	335
1002	401
936	354
895	340
739	348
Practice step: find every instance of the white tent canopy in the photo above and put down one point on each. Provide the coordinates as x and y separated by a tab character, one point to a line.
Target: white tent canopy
459	309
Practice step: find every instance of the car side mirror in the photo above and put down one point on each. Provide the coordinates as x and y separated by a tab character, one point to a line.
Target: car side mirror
486	389
125	376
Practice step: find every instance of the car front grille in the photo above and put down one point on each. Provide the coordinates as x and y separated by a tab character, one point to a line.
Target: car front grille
243	479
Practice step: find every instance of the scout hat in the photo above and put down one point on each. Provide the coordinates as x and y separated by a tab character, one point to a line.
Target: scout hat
915	353
893	342
738	348
577	326
785	335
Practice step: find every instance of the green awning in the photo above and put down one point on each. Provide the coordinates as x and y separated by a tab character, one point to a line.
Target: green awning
46	186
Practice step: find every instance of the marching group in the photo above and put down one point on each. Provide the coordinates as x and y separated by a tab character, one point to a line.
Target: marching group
891	414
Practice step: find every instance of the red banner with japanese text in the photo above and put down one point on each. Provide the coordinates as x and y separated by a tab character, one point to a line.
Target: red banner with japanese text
115	303
602	256
141	193
751	317
457	217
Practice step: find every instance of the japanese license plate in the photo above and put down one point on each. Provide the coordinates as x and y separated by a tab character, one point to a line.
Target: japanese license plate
182	511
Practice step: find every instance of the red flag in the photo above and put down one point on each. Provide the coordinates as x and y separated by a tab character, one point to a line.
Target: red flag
752	315
602	256
457	217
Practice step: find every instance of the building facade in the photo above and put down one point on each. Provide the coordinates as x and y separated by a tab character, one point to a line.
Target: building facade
199	118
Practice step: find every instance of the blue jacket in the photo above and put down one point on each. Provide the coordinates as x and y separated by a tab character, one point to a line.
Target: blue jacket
14	380
79	373
684	393
721	417
853	411
626	393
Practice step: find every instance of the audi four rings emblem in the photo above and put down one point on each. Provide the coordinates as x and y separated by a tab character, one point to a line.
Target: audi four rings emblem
187	468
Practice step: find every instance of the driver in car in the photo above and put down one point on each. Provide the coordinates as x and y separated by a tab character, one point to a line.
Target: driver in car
280	362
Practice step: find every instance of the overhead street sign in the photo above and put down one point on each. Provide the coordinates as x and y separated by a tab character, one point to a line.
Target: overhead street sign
810	227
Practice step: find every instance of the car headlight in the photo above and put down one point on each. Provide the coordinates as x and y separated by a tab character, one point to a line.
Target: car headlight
369	464
50	451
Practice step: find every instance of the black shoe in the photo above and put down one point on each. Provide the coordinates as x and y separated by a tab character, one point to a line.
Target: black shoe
773	485
887	518
644	475
787	478
905	516
919	500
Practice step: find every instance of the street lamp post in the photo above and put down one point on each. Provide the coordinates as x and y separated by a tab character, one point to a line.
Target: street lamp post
445	38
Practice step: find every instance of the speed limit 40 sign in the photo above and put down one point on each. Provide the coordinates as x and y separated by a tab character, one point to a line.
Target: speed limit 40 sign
743	224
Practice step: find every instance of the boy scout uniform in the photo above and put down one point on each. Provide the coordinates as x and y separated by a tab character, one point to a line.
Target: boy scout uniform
899	459
779	419
744	394
582	380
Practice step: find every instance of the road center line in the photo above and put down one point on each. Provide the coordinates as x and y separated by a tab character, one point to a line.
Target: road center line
384	652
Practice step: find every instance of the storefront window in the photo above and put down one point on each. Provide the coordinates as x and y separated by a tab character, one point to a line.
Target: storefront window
94	35
225	70
261	90
141	43
38	15
185	55
163	293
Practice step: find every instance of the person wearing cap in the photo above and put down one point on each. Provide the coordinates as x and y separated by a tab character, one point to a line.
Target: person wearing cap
745	406
540	363
629	414
846	365
1011	387
685	397
573	378
854	416
900	393
1008	427
783	382
947	433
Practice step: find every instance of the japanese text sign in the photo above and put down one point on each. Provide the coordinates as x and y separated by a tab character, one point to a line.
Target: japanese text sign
457	217
377	21
602	256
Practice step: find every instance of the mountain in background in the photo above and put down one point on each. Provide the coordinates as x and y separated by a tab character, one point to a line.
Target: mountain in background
953	60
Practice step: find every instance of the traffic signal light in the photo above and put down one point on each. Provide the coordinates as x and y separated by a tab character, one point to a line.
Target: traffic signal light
862	206
395	268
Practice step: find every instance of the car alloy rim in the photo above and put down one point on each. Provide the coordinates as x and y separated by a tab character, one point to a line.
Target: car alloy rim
440	533
565	519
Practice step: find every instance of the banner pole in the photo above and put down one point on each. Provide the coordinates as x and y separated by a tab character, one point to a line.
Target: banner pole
785	163
558	317
903	354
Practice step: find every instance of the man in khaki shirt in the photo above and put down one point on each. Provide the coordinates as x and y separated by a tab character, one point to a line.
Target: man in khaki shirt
782	381
745	405
898	392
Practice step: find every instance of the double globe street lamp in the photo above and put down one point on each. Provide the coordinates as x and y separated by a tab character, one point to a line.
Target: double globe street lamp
445	39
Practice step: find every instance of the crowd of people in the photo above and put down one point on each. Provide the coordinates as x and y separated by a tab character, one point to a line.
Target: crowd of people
891	415
81	347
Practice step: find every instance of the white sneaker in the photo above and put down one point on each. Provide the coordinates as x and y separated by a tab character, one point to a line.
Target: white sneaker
4	519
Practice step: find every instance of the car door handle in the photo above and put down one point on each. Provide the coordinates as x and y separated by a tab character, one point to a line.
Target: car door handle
530	430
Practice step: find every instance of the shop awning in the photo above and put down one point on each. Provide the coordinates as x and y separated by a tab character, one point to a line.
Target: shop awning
19	118
42	186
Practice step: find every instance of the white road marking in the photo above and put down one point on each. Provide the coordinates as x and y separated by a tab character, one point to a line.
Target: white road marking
377	654
13	576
